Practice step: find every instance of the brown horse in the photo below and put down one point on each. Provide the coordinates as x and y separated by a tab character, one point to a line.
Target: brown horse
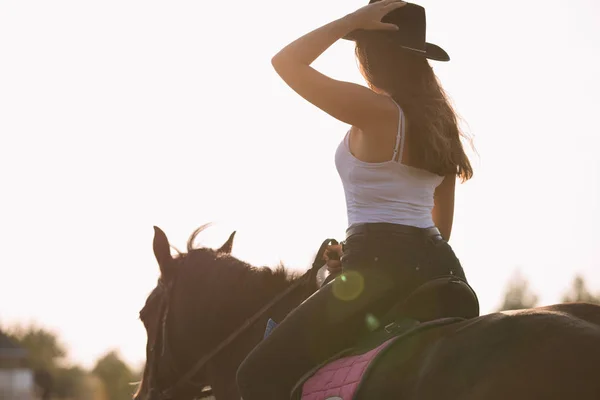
210	309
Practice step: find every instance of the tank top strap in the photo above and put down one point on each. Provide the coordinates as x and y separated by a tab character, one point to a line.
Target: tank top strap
399	145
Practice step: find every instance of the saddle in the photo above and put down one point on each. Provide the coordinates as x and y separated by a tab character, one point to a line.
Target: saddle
440	301
442	297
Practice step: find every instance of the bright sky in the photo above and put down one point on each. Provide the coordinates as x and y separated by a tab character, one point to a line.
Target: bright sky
119	115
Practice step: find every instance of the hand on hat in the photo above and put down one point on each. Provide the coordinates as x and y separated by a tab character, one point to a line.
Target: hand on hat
369	17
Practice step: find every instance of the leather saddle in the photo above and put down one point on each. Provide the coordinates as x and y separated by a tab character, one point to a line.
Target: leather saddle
442	297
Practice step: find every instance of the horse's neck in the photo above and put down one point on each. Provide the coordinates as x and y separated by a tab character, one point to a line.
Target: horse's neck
270	284
263	287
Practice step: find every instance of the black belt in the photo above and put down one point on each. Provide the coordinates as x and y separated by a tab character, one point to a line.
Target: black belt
374	227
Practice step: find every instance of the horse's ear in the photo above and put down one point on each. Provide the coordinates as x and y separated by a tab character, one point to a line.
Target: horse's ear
228	245
162	252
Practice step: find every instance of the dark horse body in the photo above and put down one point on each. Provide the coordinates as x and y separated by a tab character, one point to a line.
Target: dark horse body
205	295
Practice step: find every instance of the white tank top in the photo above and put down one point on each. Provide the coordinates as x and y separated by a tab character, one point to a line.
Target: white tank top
386	191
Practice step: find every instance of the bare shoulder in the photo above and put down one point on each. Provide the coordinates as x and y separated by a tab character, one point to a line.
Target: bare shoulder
385	117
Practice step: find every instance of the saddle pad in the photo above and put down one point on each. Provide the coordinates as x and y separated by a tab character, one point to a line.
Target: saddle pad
340	378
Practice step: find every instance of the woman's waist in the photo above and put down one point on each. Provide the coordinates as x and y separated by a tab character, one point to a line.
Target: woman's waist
389	245
383	228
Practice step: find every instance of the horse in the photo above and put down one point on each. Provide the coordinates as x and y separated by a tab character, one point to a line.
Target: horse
209	309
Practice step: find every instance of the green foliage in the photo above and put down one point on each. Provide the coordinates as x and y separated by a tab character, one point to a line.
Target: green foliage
45	351
116	376
110	379
580	293
518	295
69	383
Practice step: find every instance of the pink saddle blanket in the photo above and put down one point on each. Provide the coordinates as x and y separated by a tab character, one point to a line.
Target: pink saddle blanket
339	379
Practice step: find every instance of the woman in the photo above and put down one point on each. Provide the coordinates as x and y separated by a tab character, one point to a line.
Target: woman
398	164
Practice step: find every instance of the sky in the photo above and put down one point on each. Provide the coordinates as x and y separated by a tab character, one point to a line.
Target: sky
116	116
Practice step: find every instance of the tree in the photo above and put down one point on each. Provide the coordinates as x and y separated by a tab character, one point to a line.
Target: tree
111	378
44	349
580	293
518	294
45	355
70	383
95	388
116	376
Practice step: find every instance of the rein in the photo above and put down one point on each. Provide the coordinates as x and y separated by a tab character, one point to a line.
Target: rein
306	278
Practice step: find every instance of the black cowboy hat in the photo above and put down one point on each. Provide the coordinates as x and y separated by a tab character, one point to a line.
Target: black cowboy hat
410	35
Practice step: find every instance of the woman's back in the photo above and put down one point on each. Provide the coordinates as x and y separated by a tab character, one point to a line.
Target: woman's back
378	186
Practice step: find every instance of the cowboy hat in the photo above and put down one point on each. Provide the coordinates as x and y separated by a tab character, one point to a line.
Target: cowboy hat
410	36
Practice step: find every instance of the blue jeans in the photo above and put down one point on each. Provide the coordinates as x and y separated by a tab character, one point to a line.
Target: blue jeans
380	270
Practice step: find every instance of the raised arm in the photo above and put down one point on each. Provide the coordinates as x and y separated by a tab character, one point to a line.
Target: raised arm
443	209
348	102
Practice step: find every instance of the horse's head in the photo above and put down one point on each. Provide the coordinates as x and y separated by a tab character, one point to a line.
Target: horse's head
202	297
188	286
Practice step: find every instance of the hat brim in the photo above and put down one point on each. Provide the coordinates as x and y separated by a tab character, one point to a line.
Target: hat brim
432	51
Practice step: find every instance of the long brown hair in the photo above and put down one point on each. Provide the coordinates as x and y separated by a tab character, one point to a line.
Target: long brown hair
435	138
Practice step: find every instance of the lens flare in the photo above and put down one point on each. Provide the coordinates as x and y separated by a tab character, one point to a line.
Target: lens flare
372	322
350	285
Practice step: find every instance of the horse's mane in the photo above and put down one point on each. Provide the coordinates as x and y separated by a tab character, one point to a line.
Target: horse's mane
204	260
